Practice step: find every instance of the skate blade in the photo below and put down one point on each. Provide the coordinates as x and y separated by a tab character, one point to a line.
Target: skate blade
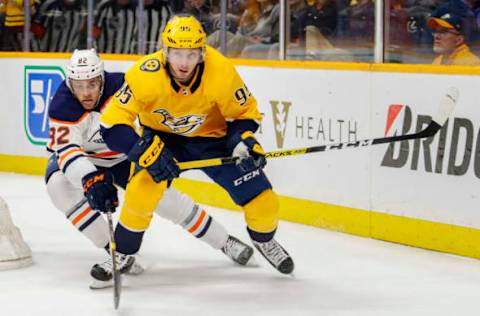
252	262
135	269
98	285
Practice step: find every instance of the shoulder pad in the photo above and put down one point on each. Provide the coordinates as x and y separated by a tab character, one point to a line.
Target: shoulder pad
144	83
214	59
115	78
113	82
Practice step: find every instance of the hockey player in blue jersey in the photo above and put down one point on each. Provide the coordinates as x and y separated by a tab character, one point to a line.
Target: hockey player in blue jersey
79	154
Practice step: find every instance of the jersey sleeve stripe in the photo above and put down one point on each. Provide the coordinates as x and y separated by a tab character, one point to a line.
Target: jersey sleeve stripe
89	221
61	150
71	152
69	122
205	229
79	217
76	207
104	154
198	222
69	162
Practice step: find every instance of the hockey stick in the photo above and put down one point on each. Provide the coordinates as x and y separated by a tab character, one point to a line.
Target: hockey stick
117	282
446	106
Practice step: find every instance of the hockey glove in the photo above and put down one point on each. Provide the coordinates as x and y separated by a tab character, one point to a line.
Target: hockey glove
250	153
99	190
149	152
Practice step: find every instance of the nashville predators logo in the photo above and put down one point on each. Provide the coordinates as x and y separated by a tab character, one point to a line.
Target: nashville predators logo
181	125
280	116
150	65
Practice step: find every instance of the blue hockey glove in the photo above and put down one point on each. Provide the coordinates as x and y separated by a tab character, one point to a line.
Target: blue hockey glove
149	152
250	153
99	190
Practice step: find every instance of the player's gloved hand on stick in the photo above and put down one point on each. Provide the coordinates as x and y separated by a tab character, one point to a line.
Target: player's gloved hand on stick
99	190
250	153
149	152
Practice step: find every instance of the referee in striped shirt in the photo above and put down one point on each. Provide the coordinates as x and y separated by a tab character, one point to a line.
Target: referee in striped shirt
59	26
156	15
114	27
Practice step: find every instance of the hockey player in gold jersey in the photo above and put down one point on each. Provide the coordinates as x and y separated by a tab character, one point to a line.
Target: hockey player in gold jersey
193	105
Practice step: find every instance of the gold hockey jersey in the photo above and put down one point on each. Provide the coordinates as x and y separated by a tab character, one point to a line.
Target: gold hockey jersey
215	95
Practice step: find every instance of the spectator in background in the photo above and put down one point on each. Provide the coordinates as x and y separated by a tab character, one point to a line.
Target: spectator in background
449	39
249	16
263	31
360	16
157	13
318	25
464	9
233	15
297	10
355	29
321	14
14	20
271	50
114	27
418	11
200	9
398	41
57	25
3	10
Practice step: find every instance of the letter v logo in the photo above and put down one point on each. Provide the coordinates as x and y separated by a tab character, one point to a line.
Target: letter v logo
280	117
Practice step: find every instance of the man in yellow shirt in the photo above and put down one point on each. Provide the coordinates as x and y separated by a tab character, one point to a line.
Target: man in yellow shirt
193	105
14	20
449	40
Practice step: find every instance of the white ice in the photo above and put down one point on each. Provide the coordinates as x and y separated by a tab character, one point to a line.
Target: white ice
336	274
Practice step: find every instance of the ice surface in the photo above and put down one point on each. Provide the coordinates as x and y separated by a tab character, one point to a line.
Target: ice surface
336	274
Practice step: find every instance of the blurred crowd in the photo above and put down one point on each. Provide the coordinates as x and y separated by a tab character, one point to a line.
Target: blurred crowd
416	31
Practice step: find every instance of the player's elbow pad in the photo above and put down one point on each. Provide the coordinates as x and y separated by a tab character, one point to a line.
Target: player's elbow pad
119	138
240	126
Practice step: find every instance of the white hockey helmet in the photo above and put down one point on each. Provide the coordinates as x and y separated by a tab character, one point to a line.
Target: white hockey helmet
85	64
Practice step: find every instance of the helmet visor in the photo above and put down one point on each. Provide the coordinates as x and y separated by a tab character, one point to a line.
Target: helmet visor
184	55
89	85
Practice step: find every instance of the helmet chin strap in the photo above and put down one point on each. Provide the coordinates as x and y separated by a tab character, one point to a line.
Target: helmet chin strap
101	92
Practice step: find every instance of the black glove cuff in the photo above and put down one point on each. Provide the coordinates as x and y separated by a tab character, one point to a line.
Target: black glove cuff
235	129
140	146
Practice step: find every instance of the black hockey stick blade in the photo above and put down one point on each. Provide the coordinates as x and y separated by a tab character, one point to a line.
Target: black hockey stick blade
446	107
117	281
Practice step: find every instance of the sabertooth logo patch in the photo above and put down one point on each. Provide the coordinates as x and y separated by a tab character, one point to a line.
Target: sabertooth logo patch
150	65
181	125
280	117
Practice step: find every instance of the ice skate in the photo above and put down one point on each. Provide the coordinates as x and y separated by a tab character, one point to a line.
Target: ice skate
102	272
276	255
237	250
